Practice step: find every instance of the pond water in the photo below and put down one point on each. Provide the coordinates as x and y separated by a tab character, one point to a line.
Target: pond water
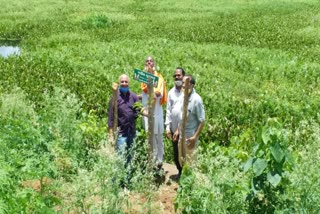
6	51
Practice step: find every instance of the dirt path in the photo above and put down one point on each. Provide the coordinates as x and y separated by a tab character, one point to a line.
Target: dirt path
168	189
162	202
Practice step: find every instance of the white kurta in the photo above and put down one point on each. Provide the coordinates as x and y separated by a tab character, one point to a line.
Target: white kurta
158	146
158	115
172	120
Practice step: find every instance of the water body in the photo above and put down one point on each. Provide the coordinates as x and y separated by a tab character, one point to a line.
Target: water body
6	51
9	47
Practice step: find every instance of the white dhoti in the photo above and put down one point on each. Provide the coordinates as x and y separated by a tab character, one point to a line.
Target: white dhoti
158	146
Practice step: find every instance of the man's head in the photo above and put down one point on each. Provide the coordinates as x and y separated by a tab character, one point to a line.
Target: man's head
149	64
124	83
192	82
178	76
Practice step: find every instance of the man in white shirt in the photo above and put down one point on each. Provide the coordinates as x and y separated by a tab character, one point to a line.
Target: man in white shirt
173	120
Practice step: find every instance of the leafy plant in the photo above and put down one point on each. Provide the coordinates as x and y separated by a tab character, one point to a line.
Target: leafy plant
270	165
98	21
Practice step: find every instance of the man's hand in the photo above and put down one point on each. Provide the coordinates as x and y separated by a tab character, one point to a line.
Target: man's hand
149	68
157	93
144	112
169	135
191	142
176	135
114	86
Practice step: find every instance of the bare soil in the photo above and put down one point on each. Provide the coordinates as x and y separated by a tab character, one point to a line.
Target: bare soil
163	201
36	184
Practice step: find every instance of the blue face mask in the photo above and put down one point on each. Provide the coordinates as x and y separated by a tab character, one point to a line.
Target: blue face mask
123	89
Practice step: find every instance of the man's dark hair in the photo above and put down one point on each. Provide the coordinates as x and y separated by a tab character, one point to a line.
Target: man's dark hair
192	80
183	72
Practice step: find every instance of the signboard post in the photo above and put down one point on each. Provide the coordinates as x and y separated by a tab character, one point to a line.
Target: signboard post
151	81
150	118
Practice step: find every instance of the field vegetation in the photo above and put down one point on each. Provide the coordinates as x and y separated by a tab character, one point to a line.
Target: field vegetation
256	65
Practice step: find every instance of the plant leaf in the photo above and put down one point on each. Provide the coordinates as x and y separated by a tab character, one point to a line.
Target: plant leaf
259	165
277	152
273	179
265	135
247	165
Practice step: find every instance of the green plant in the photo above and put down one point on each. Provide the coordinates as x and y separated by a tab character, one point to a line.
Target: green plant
97	21
271	164
252	60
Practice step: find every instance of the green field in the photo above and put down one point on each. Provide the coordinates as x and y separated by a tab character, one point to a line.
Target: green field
257	69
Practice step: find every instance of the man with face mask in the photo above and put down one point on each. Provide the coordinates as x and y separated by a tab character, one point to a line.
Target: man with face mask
126	117
172	120
195	118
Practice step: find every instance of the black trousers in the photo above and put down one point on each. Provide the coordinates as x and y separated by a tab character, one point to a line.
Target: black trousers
176	155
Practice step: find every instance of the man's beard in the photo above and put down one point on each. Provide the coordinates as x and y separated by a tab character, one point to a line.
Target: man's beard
146	68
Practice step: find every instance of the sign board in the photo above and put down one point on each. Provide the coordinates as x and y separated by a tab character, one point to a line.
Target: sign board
143	76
